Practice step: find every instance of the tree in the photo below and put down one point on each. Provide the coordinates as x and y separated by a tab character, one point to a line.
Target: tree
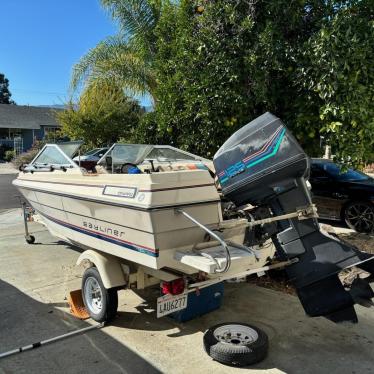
309	62
201	95
103	115
127	58
5	94
218	70
211	70
339	76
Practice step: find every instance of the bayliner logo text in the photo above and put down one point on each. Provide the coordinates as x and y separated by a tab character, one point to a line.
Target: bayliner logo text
104	229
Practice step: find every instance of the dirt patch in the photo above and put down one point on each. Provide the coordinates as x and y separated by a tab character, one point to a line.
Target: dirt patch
276	280
363	242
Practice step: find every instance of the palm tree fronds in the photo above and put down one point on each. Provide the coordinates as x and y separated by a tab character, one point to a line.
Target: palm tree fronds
102	51
134	16
127	57
127	70
112	59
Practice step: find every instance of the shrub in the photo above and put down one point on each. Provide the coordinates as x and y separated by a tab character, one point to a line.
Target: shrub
9	155
3	149
104	115
25	158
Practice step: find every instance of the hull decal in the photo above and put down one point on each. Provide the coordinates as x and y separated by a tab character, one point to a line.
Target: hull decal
178	188
98	219
110	203
64	183
105	185
98	235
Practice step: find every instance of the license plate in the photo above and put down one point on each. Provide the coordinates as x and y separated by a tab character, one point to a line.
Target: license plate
169	304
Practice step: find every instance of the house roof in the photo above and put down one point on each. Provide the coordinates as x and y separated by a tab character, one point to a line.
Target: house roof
26	117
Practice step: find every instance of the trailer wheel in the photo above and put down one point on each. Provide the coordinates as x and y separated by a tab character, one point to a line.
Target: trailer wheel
101	303
236	344
30	239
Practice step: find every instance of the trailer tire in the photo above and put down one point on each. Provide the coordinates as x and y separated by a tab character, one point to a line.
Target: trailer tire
30	239
236	343
101	303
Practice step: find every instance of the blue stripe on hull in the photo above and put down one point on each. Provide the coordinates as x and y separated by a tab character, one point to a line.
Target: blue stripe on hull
102	237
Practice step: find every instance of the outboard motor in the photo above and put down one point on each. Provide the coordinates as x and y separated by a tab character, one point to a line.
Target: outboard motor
262	164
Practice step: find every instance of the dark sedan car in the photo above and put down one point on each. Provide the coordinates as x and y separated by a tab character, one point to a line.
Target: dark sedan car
90	159
347	196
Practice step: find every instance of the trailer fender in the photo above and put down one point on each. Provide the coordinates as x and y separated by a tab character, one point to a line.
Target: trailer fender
109	267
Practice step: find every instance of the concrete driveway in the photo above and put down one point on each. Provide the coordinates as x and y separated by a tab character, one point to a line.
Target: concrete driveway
8	192
36	279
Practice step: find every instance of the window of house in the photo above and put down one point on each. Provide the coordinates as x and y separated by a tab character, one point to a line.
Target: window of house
4	133
10	134
49	130
15	133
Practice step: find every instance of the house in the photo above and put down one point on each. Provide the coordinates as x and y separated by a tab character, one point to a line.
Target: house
21	125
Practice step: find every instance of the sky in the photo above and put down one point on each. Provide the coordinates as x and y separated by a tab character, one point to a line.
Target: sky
40	42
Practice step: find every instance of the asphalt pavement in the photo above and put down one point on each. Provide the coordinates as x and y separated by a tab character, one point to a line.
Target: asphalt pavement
8	192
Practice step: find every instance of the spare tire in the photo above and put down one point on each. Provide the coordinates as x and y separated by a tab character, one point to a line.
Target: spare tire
236	343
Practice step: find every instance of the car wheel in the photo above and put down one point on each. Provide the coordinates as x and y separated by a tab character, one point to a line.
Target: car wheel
101	303
359	216
236	343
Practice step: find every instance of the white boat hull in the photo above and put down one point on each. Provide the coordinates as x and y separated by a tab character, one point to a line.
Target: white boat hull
148	232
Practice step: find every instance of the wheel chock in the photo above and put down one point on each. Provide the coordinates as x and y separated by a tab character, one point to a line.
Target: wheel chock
77	307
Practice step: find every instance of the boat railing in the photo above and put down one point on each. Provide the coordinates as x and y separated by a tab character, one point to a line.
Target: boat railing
215	236
44	167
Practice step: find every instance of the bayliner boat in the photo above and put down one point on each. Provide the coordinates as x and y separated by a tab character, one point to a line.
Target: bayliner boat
156	213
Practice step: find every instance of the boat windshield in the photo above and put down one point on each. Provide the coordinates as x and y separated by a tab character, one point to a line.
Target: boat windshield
70	148
128	153
56	155
137	153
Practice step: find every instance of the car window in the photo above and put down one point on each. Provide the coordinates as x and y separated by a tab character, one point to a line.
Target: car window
92	152
334	170
100	152
317	172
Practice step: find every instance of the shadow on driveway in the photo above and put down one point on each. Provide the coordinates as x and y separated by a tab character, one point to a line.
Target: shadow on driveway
24	320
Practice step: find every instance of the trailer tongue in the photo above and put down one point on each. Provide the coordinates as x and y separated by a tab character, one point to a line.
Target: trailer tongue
262	164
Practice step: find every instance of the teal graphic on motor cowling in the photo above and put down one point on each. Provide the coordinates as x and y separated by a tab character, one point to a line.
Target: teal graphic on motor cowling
236	169
268	150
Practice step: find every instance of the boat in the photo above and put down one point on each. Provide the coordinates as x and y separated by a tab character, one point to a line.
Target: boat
132	216
152	213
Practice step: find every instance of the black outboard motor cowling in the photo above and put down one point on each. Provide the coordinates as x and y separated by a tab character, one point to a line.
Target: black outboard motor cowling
258	160
263	164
